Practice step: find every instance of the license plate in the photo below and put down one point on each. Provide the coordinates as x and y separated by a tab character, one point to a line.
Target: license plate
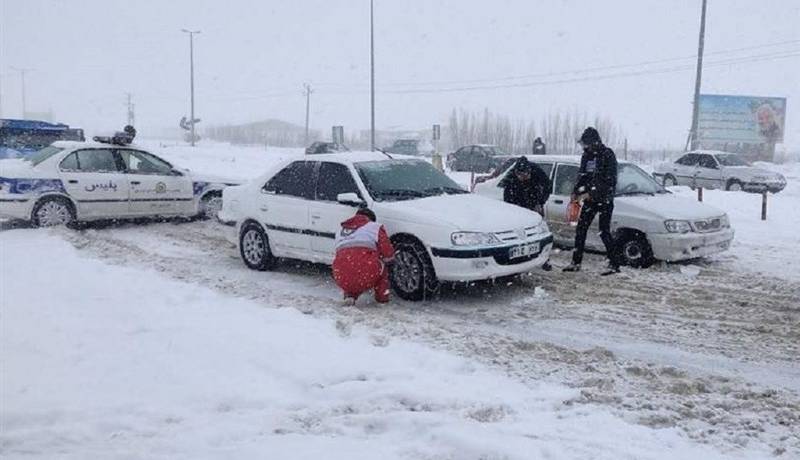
523	250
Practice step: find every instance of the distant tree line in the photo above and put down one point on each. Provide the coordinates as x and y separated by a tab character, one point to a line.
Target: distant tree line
275	133
559	130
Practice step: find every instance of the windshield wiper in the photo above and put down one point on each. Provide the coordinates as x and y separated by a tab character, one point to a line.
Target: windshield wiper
400	193
446	189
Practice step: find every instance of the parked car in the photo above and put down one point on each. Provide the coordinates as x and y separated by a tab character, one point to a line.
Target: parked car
325	147
413	147
440	231
476	158
81	181
650	222
718	170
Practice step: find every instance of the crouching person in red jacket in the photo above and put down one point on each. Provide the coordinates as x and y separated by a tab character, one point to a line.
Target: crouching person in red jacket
363	252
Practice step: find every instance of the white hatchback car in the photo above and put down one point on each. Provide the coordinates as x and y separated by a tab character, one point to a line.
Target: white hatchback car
649	222
83	181
440	231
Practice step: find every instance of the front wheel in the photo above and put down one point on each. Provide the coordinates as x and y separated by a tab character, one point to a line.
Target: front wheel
413	277
669	181
733	185
254	248
635	251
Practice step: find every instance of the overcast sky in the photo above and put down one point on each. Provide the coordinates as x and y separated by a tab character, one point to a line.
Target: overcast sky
252	58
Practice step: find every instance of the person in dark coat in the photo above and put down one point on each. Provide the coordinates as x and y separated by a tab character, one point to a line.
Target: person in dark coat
538	147
595	187
528	186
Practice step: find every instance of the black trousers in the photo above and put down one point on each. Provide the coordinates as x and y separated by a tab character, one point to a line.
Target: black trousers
588	212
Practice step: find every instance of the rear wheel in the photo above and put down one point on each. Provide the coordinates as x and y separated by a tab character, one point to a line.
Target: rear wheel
211	204
54	211
635	251
413	276
254	248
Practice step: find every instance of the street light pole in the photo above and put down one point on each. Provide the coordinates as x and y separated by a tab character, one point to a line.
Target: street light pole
307	91
22	78
694	141
191	78
372	72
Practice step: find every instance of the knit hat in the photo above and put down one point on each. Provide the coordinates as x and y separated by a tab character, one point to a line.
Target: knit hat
590	136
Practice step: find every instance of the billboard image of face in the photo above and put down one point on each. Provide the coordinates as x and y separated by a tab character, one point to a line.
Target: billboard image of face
741	119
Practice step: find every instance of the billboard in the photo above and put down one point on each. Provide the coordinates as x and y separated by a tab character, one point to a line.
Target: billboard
741	119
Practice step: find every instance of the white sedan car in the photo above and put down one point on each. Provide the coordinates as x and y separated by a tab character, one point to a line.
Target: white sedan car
440	231
718	170
648	221
82	181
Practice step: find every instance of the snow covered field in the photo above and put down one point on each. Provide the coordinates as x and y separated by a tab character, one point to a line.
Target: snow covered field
154	341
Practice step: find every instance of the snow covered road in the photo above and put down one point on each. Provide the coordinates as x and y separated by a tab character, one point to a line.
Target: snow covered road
712	352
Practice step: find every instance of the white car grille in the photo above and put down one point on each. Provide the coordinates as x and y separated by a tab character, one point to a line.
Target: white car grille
708	225
510	236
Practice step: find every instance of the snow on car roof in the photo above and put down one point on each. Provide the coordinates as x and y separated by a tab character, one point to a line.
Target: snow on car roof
562	158
90	145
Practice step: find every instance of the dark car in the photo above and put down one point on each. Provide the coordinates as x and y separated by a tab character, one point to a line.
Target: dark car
414	147
477	158
325	147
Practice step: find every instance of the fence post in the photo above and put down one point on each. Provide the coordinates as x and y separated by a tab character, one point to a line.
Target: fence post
699	193
764	205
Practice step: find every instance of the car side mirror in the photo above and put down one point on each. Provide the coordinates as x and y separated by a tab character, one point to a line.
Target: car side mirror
350	199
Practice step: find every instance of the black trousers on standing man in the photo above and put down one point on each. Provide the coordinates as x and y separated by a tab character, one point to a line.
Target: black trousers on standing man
588	213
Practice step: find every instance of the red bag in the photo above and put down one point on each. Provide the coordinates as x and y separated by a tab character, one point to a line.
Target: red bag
573	212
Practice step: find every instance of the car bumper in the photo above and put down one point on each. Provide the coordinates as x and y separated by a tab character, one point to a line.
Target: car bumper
672	247
15	208
772	187
487	263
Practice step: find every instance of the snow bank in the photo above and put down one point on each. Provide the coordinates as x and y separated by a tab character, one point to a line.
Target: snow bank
110	362
768	246
223	160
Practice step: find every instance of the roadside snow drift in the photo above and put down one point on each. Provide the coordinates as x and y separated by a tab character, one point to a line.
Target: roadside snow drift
103	362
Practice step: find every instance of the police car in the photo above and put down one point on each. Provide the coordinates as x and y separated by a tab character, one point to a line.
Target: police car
83	181
440	231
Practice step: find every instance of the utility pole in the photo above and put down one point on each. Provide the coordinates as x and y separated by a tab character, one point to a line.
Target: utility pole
131	118
307	91
22	73
372	72
693	134
191	78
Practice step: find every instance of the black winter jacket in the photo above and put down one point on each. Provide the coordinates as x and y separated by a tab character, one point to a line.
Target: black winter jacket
597	175
529	194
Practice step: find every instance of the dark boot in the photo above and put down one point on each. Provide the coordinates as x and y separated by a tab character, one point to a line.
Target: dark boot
547	267
611	270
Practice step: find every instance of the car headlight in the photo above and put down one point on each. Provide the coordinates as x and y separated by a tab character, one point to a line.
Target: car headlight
760	178
678	226
541	228
725	221
473	239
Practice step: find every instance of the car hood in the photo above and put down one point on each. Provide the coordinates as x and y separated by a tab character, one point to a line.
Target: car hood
667	207
466	212
212	179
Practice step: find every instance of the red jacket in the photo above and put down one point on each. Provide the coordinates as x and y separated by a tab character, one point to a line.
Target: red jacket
358	232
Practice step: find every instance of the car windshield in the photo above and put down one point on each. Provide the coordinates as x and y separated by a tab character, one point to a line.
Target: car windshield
43	154
632	180
731	160
393	180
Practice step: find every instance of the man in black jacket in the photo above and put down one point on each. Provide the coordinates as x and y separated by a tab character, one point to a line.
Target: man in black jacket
596	186
528	186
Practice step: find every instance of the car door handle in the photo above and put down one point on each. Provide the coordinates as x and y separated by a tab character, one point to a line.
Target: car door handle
135	182
72	181
558	201
264	208
316	216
